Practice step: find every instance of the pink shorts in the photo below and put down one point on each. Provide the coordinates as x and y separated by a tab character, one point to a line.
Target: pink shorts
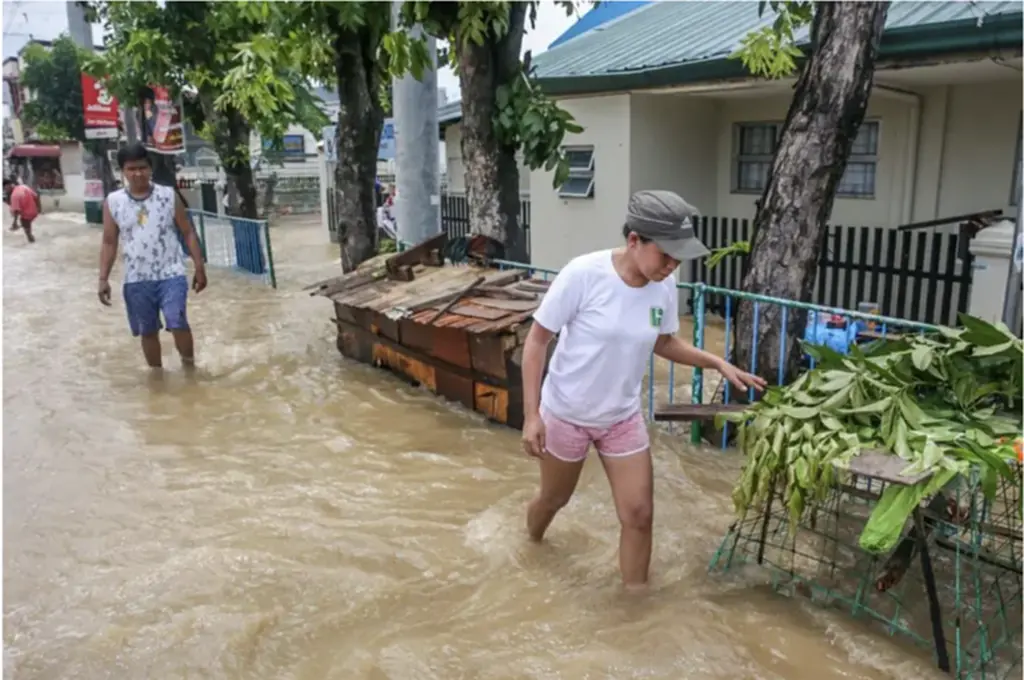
570	443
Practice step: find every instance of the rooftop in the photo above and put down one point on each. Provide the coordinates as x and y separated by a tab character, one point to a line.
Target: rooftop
672	35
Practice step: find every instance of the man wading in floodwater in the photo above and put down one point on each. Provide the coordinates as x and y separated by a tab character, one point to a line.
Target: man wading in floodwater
610	309
147	218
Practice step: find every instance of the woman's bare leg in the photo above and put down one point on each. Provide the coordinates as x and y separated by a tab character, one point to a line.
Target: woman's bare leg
632	480
558	480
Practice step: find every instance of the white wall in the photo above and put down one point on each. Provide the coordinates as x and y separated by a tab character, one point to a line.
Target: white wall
671	138
455	169
562	228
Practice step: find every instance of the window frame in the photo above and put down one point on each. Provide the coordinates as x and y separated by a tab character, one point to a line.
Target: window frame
580	173
738	158
1015	186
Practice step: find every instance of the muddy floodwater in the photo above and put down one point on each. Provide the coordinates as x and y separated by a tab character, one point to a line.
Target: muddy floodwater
287	514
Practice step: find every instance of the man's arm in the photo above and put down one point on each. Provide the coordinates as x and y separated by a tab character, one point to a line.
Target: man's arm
108	249
195	251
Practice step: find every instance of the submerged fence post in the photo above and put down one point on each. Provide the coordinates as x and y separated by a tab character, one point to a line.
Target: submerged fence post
270	254
202	237
697	383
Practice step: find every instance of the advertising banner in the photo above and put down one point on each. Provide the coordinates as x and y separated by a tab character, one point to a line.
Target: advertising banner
99	108
161	122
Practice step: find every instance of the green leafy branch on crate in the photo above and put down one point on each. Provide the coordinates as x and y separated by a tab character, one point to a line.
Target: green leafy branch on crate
942	403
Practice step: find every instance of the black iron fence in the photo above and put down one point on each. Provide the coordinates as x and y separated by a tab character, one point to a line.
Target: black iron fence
455	216
915	275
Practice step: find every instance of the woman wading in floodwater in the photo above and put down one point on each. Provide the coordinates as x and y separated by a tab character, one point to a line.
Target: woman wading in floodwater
610	309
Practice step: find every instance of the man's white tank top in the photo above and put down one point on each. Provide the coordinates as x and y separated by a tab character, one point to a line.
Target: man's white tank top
150	242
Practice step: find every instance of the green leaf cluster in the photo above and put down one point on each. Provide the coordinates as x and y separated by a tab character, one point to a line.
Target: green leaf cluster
771	51
54	77
943	403
525	118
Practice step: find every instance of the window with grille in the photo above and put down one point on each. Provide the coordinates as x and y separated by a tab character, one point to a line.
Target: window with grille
755	145
581	173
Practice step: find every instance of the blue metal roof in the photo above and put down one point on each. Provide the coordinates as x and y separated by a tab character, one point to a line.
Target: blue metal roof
671	33
599	14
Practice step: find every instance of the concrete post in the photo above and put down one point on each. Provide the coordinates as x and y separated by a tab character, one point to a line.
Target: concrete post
418	171
80	31
992	249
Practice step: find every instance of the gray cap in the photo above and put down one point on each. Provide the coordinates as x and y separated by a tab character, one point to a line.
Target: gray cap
665	218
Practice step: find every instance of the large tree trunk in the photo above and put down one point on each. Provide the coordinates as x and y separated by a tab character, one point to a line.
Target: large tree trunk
230	140
492	173
359	124
829	102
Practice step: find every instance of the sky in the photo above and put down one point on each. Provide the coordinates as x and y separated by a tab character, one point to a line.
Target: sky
45	20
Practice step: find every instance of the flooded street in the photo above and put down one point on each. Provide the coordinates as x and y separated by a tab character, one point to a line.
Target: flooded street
288	514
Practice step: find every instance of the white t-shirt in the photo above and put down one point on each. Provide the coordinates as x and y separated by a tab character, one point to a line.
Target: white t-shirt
607	330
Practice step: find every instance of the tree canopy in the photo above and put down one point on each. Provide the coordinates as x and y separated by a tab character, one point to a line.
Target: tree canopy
54	77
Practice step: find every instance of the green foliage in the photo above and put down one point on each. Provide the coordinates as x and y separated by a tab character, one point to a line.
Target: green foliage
54	77
719	254
941	403
192	47
386	245
771	51
526	119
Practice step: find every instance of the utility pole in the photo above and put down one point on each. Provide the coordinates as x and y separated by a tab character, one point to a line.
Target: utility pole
80	31
418	165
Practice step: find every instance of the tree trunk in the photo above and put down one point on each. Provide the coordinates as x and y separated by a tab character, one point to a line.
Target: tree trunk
829	102
492	173
359	124
230	140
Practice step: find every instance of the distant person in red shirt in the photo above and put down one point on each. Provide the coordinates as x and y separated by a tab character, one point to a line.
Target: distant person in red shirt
24	206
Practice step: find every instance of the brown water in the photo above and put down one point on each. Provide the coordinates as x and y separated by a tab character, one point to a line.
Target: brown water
287	514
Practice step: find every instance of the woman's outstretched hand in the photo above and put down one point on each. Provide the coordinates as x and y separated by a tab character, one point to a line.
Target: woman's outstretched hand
741	379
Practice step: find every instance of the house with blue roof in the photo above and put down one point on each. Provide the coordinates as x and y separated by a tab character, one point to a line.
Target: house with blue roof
663	106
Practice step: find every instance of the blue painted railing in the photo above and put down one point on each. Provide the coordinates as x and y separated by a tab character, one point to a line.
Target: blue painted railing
236	242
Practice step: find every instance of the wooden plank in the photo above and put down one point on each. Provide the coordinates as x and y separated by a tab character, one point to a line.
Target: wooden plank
692	412
508	293
465	291
885	466
418	254
477	312
415	370
508	305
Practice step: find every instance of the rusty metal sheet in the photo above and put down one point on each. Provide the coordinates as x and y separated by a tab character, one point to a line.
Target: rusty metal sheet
451	345
413	369
455	387
491	401
382	325
487	354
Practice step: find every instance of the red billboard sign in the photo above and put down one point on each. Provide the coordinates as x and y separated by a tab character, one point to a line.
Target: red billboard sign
99	108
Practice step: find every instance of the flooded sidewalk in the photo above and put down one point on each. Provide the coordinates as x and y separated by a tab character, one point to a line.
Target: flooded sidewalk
288	514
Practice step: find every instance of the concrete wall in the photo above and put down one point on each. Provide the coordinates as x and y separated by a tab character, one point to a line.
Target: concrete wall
562	228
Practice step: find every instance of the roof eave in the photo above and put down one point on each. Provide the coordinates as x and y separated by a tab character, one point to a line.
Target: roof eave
997	32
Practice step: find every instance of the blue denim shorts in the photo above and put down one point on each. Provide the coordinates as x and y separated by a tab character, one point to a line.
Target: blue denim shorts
145	300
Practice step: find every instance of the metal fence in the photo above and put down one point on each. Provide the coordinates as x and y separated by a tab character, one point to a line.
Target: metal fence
236	243
922	276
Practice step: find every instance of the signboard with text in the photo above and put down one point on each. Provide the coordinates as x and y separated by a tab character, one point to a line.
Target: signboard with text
161	122
99	109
